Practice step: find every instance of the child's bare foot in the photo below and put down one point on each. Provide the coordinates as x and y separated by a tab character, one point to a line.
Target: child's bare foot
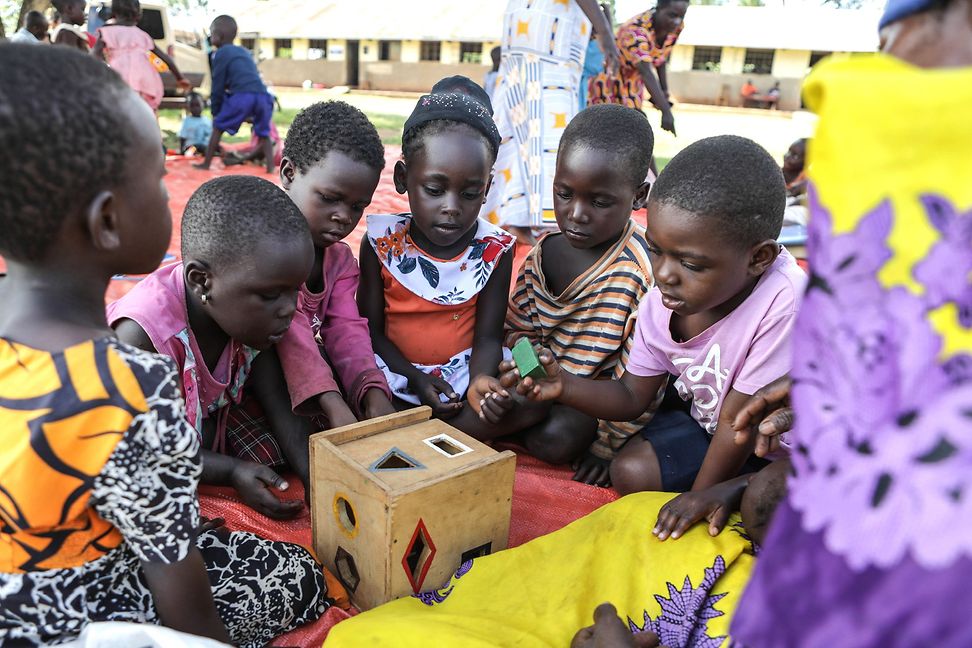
201	165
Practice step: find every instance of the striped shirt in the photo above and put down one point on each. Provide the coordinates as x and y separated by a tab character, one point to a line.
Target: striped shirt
590	326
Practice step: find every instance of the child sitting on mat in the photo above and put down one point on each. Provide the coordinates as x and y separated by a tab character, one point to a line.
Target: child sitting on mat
332	162
718	321
238	92
100	468
195	130
578	290
246	250
434	282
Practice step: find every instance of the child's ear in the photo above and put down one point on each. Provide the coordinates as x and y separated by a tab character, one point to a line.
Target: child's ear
101	221
199	278
489	183
763	256
400	175
641	196
287	173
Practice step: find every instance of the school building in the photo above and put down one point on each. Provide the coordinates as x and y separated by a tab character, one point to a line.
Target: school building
402	46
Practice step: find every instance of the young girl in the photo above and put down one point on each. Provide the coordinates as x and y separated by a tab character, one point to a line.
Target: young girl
434	282
217	317
99	468
332	162
70	17
125	48
718	320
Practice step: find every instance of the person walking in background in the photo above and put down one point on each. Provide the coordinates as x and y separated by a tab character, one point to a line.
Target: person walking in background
540	74
34	30
125	47
645	43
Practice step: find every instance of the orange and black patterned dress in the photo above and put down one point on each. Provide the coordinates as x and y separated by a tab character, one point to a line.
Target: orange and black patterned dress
636	42
98	474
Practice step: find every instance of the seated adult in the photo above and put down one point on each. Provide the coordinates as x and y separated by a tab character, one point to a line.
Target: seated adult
749	92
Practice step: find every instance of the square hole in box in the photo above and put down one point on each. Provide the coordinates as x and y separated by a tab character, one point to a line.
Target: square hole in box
446	445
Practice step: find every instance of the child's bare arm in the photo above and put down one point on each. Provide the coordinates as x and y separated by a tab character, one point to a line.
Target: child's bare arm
130	332
183	83
610	400
99	49
724	458
487	350
183	597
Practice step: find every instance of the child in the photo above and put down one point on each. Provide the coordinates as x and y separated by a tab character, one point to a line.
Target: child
718	319
217	316
434	282
70	17
99	468
794	173
125	47
238	92
332	162
253	151
578	290
196	129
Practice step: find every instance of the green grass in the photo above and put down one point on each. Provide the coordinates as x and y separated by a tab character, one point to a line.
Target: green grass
389	126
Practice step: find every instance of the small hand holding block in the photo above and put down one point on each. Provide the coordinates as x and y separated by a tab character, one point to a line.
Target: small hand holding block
527	361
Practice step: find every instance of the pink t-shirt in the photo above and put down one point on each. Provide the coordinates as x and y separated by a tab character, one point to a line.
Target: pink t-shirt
745	350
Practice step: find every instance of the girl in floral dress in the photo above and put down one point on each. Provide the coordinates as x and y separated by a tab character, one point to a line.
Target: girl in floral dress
434	281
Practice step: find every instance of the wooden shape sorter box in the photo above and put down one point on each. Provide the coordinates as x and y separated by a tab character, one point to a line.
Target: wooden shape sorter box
398	503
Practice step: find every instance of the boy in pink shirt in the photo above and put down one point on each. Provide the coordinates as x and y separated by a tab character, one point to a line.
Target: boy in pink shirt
714	329
332	162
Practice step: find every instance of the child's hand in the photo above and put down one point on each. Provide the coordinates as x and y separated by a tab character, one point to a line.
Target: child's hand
593	470
543	389
253	482
714	504
430	390
336	410
488	399
376	403
184	84
768	415
609	631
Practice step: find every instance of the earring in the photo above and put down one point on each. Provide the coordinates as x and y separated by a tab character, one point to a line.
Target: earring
204	297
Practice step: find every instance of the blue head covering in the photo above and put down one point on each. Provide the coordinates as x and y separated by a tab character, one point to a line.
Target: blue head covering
895	10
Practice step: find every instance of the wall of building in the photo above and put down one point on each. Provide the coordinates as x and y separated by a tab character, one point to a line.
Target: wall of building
791	64
287	72
414	77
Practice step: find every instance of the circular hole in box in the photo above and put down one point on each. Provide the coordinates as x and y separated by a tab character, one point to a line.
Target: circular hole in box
345	514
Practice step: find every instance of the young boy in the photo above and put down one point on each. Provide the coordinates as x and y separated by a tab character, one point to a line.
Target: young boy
578	290
332	162
196	129
238	92
99	469
718	320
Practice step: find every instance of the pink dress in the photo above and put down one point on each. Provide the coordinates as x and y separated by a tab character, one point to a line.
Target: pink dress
126	50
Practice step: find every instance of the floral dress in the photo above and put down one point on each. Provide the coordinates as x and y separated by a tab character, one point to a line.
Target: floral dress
99	475
637	44
430	304
874	545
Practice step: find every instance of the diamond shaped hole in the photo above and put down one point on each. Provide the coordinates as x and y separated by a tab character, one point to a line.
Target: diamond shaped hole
418	556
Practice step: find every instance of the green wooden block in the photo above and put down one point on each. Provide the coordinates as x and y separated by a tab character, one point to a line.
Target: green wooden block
527	361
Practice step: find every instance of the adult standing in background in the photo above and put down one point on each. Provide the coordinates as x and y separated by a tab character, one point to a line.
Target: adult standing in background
544	42
34	31
593	61
645	43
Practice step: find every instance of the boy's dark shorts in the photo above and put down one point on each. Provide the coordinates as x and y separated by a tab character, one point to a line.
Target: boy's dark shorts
237	108
680	444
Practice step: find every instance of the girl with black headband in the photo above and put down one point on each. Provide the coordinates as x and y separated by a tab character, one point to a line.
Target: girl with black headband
434	282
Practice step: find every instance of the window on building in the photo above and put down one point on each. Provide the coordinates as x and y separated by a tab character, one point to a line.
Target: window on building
431	51
707	59
758	61
816	57
283	48
384	50
317	49
471	52
248	44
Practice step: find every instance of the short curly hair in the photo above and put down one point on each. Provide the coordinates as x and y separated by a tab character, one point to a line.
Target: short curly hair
227	217
64	141
333	126
731	180
623	131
